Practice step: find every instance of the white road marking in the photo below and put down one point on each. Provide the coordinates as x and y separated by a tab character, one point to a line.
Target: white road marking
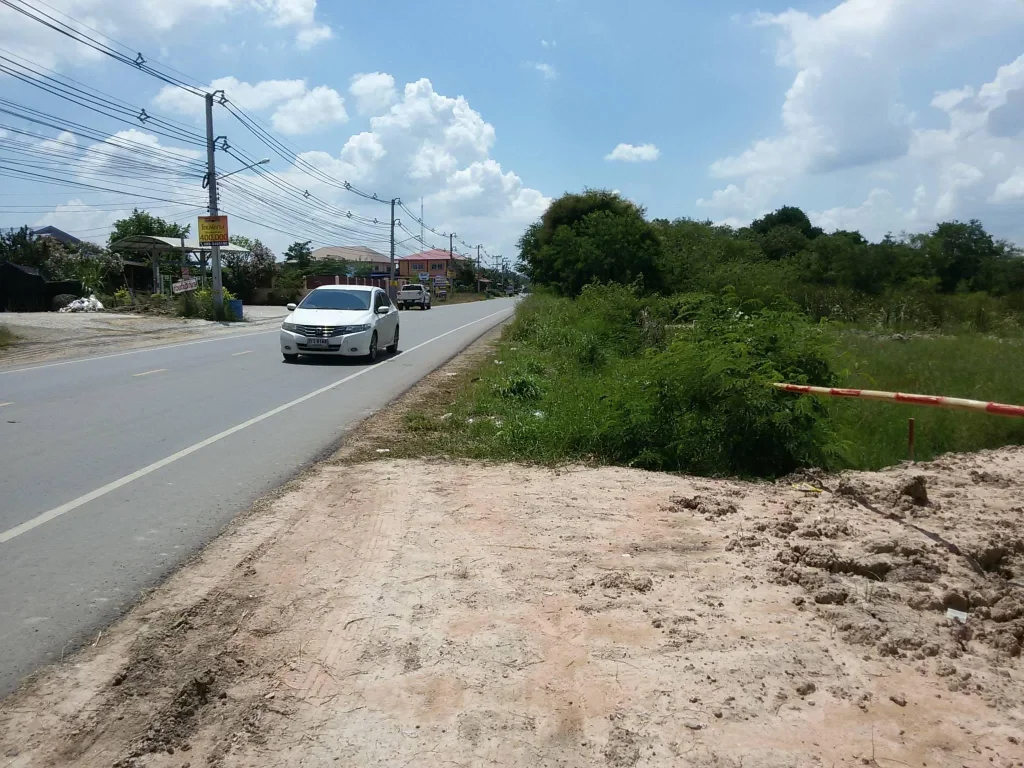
236	354
146	373
63	509
3	404
137	351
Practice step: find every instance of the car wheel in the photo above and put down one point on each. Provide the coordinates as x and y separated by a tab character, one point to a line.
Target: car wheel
291	358
371	356
428	305
393	346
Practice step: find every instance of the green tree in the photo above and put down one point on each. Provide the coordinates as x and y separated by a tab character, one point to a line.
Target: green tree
251	270
782	242
21	246
300	256
958	252
787	216
593	236
145	223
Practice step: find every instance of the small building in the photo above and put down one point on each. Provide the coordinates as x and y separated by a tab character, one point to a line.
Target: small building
358	254
436	262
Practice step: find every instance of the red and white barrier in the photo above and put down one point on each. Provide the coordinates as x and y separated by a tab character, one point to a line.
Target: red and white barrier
955	403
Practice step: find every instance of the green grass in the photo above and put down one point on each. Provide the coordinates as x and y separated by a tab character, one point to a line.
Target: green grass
567	383
874	434
6	337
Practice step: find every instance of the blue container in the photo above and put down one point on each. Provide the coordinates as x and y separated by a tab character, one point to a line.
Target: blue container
235	309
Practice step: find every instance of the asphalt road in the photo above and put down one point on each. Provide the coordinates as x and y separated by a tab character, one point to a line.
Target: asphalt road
115	470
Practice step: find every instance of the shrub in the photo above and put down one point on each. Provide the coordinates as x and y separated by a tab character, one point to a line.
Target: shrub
121	298
524	387
200	304
706	404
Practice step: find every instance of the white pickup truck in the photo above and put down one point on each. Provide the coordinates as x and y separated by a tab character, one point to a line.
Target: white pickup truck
413	294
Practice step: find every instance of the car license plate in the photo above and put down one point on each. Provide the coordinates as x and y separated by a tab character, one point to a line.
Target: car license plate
317	342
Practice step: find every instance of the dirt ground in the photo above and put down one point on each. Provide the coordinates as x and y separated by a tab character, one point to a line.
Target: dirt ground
411	613
45	336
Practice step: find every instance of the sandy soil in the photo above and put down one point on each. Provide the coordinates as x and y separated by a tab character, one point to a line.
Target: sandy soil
407	613
43	336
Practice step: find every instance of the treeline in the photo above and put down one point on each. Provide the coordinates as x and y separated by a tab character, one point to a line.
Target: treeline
955	274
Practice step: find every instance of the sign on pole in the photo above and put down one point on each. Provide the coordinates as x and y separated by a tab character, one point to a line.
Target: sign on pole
424	277
183	286
213	230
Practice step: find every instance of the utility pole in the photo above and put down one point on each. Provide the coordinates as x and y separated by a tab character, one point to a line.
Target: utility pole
421	225
211	169
451	245
391	275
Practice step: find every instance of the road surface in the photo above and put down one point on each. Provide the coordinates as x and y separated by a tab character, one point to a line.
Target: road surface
116	470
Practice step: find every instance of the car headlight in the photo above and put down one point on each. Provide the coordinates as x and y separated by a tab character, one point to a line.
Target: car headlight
356	328
289	327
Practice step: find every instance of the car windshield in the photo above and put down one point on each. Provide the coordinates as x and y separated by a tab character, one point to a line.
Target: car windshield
323	298
414	287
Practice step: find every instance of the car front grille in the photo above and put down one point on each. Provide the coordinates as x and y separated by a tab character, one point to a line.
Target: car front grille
321	331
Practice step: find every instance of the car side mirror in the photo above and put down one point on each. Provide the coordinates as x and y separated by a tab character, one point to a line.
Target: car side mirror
290	307
383	310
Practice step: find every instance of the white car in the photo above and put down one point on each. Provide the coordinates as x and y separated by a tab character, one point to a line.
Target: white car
352	320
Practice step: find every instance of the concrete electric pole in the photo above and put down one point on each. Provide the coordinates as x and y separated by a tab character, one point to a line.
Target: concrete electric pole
211	169
391	274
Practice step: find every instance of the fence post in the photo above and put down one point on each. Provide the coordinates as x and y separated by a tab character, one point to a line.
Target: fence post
911	429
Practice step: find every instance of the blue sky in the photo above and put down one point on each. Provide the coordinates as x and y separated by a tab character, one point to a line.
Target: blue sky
881	115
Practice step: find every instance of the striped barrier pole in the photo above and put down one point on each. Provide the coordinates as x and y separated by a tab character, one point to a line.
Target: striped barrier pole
955	403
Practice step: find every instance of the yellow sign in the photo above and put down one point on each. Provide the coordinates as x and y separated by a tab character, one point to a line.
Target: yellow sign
213	230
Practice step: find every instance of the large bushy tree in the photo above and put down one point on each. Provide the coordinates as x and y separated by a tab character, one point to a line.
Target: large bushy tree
145	223
595	236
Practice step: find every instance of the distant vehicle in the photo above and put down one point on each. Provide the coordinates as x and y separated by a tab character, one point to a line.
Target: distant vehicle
350	320
413	295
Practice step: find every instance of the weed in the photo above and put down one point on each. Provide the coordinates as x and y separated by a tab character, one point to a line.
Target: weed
6	337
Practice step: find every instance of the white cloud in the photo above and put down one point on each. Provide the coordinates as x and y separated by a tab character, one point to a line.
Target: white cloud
634	153
427	145
548	44
859	218
1010	190
311	112
374	92
846	120
144	20
548	71
246	96
310	37
297	109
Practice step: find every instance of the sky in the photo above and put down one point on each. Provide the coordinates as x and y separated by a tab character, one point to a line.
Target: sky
877	115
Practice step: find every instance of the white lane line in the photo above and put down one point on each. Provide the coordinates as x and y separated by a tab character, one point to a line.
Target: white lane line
146	373
63	509
137	351
3	404
237	354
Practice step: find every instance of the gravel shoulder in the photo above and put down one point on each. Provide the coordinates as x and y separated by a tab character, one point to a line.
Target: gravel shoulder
50	336
434	613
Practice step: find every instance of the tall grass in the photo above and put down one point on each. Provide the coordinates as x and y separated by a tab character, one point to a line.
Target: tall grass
6	337
874	435
683	384
602	378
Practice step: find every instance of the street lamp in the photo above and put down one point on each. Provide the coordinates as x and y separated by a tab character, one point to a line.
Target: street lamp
206	177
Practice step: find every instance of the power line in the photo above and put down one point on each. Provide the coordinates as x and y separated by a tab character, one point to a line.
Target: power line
139	62
117	109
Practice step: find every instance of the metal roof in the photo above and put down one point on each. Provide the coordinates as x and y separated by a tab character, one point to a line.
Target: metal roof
156	243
